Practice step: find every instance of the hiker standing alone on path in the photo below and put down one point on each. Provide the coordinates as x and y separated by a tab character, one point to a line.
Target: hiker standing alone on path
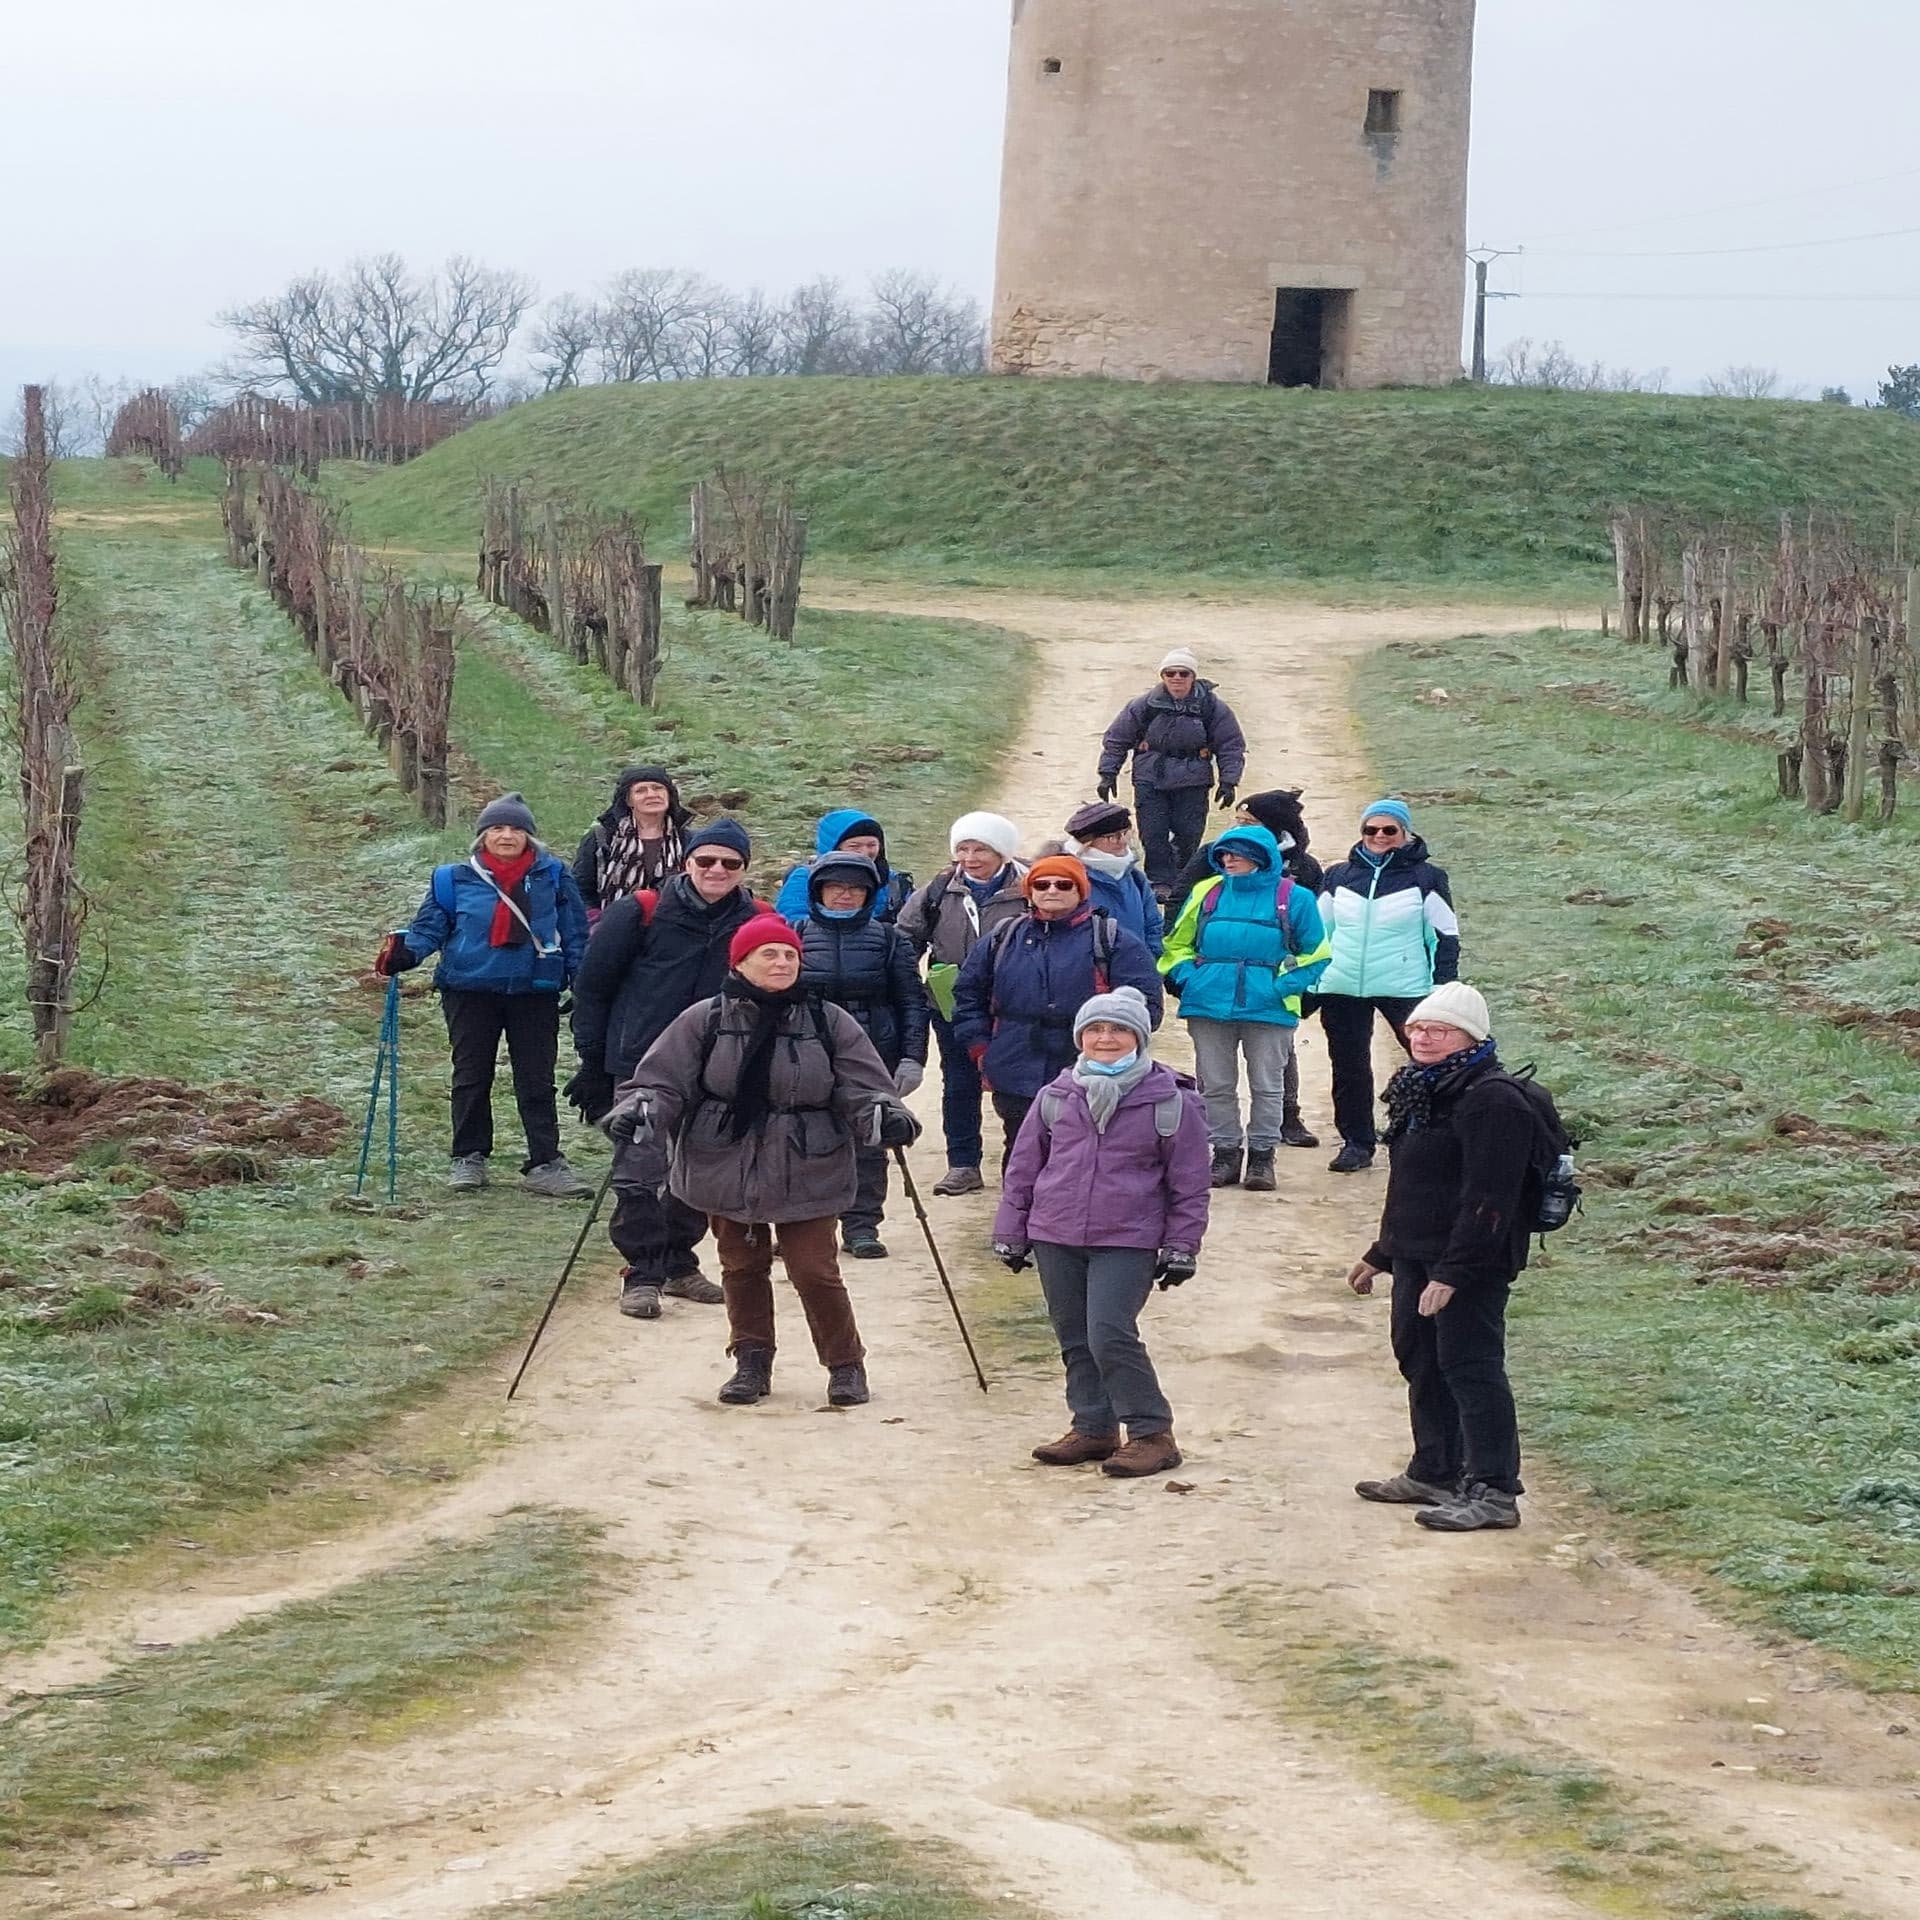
511	932
955	910
1107	1191
869	969
1389	913
1246	947
1463	1138
765	1092
638	843
1186	747
651	957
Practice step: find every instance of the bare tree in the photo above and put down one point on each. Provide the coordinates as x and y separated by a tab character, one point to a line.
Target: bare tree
57	421
1548	364
754	342
916	325
1748	383
564	341
820	330
194	396
644	322
379	329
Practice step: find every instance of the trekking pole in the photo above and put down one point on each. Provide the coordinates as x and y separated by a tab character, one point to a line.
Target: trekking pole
386	1066
939	1265
566	1274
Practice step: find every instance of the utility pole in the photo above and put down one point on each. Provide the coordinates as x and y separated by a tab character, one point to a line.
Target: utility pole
1483	259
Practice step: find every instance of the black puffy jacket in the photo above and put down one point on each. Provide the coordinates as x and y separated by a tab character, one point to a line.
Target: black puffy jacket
863	966
642	971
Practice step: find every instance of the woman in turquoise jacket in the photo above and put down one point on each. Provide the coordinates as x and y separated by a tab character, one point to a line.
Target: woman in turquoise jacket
1247	945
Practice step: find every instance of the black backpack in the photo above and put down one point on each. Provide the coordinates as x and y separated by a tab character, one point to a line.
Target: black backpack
1550	1169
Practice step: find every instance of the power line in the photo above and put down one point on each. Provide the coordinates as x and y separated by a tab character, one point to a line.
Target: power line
1743	299
1738	206
1721	253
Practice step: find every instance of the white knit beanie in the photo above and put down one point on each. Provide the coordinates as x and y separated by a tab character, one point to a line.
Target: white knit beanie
1456	1005
993	830
1182	657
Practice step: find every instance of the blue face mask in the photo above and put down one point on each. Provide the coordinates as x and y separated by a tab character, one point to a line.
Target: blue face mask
840	913
1113	1069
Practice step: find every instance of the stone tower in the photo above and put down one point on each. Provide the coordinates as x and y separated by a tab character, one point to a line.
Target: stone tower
1249	190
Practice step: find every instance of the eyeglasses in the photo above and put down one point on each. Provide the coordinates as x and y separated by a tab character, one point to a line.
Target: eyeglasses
1177	673
1381	833
1054	886
724	862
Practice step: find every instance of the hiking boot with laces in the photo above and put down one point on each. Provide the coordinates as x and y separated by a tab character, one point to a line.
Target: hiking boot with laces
1226	1167
468	1173
1352	1158
847	1385
752	1377
959	1180
1403	1490
1144	1454
1479	1509
863	1243
1294	1132
555	1180
694	1286
1077	1449
1260	1175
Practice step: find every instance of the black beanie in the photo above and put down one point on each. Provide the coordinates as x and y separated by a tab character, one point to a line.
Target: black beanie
510	810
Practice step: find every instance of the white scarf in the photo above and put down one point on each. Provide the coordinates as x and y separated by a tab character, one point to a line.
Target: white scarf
1116	866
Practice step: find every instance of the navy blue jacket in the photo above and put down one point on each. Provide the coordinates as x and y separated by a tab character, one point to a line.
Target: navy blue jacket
469	963
864	965
1020	989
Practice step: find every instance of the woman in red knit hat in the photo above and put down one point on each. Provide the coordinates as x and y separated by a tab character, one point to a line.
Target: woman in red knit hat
764	1093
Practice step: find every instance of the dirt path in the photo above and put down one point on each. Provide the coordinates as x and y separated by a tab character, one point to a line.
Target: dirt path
894	1611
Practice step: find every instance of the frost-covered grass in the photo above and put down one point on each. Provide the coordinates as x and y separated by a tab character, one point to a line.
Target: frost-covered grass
1727	1347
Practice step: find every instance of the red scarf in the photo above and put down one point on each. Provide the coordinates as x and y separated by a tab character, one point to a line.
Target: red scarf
507	876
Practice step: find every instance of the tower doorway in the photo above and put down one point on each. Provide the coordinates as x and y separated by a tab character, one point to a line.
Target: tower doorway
1309	337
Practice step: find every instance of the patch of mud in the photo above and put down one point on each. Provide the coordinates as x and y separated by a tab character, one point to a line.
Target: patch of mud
185	1136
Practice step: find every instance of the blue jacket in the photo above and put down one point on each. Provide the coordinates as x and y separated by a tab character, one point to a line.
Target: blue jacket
1022	985
1130	900
456	922
792	902
1230	957
1394	931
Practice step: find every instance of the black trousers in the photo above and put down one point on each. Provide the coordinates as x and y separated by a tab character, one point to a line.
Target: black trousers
1013	1109
1172	824
1455	1367
655	1234
870	1202
530	1023
1348	1024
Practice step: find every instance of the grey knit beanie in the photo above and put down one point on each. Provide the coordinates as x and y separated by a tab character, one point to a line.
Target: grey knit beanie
1123	1007
510	810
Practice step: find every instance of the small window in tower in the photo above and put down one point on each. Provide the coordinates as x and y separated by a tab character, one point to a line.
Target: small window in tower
1049	66
1383	111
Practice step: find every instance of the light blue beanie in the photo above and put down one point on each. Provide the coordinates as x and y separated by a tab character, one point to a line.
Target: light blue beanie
1389	810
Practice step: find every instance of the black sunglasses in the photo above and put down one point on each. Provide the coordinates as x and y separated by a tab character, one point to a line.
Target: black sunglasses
1381	833
1053	886
717	860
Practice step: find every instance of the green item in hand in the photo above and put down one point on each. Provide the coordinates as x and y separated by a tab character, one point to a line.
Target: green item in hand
942	978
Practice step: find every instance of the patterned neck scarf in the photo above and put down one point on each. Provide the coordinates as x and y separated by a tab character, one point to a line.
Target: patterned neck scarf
1413	1090
632	863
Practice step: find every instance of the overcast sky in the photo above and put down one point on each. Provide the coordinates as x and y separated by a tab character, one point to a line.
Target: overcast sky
164	160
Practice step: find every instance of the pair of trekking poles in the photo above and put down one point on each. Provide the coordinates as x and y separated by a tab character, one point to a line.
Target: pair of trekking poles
919	1207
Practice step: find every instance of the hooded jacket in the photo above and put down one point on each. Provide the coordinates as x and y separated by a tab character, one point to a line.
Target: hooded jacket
823	1084
589	862
1127	895
639	975
1074	1186
1231	957
1019	991
843	824
1394	931
1195	742
862	966
455	921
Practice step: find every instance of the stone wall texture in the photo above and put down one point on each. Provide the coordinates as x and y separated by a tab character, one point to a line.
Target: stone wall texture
1171	164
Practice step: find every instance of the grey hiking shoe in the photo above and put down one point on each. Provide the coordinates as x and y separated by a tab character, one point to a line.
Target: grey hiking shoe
640	1301
958	1180
557	1181
864	1244
694	1286
1477	1510
1403	1490
468	1172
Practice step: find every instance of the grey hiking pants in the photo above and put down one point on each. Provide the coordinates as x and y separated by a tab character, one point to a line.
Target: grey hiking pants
1094	1296
1217	1047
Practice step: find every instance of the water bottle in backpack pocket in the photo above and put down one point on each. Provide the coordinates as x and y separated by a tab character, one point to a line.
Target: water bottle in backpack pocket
1552	1165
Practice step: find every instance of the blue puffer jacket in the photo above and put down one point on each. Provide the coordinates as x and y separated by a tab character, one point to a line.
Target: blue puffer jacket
456	922
896	888
1022	985
1230	956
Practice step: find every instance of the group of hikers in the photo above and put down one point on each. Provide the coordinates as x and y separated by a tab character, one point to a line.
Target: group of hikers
752	1064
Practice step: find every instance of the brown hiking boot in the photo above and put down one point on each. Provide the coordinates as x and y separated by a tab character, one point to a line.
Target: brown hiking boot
1149	1453
1077	1449
693	1286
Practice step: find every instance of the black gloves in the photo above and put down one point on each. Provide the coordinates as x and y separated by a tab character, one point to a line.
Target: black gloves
1174	1268
1225	796
1014	1259
1109	786
395	957
590	1092
898	1128
631	1122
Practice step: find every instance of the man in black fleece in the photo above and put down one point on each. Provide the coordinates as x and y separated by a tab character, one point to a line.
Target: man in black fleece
1453	1235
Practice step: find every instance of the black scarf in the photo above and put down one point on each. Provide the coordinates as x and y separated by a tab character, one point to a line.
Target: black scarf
753	1091
1413	1090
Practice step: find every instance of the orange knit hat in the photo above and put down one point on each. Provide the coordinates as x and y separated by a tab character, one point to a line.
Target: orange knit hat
1058	866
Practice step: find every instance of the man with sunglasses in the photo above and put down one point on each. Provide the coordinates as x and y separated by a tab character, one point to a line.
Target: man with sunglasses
652	956
1389	912
1186	747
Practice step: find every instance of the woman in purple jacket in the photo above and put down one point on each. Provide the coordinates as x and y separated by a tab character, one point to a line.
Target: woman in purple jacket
1108	1191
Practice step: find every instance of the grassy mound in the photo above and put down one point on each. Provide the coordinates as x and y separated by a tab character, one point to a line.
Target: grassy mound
1003	477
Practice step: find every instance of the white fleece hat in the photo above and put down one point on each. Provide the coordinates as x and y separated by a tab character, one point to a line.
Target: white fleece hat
1456	1005
993	830
1182	657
